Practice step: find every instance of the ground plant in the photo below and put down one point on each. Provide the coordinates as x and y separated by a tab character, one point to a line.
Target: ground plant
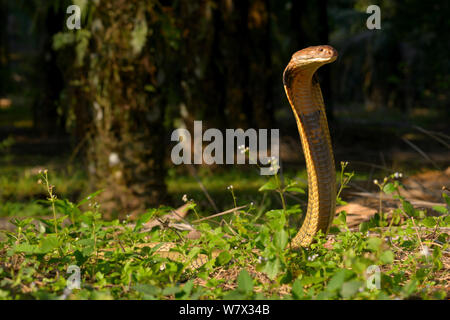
400	255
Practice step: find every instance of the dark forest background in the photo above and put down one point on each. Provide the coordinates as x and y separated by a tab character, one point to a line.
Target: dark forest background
136	70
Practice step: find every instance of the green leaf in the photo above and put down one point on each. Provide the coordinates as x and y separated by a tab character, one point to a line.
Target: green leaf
87	246
49	243
277	219
440	209
341	219
245	282
223	258
80	257
446	198
63	39
410	287
295	189
187	288
373	243
26	248
90	197
334	230
429	222
272	268
168	291
337	280
147	289
364	226
447	221
280	239
193	253
234	295
389	188
387	257
350	288
311	280
297	290
408	208
269	185
144	219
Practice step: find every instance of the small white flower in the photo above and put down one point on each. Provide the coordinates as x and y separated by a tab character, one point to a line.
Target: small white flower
185	199
375	181
398	175
244	150
261	259
425	251
230	187
274	167
313	257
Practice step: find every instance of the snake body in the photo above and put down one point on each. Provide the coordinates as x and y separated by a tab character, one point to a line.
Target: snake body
305	97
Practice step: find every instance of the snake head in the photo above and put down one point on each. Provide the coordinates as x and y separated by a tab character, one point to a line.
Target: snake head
309	59
312	55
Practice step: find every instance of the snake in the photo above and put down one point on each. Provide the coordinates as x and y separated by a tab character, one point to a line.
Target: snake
305	98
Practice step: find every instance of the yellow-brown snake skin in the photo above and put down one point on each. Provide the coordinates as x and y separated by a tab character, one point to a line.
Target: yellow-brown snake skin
305	97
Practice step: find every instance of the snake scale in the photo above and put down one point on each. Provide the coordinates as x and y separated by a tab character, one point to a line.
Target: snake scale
305	97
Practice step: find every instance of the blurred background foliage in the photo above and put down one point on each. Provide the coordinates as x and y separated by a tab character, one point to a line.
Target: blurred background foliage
107	96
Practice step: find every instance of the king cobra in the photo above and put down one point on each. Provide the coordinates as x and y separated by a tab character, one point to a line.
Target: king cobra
305	97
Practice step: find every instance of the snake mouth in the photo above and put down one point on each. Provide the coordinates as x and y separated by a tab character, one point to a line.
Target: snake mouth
323	60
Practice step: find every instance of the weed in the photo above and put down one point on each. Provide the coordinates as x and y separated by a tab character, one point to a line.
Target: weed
247	252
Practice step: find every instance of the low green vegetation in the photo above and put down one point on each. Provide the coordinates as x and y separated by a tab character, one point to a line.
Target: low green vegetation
398	256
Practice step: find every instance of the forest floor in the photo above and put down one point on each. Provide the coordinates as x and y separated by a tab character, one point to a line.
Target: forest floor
373	153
